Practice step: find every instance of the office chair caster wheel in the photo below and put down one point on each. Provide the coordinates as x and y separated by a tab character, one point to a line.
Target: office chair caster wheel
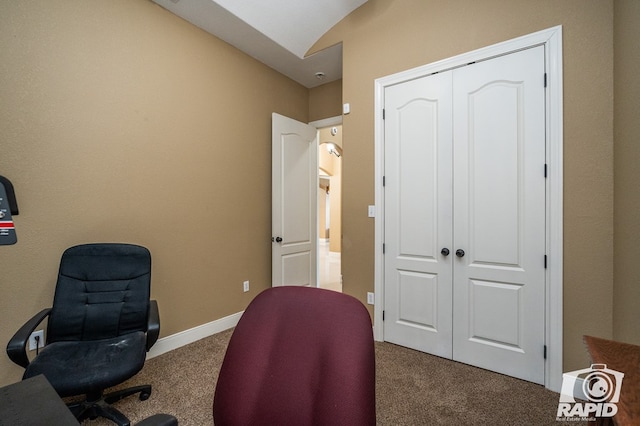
144	396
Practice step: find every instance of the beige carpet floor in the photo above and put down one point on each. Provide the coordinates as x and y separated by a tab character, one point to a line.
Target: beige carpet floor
412	388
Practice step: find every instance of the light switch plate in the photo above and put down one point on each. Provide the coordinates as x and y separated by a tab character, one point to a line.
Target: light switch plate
371	298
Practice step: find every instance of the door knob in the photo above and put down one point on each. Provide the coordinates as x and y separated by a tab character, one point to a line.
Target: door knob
277	239
459	252
445	251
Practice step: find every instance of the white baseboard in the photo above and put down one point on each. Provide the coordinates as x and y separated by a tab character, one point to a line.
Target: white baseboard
182	338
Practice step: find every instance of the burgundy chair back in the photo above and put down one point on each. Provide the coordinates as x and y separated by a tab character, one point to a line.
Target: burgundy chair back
299	356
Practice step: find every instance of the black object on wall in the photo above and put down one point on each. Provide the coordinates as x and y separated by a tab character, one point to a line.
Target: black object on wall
8	207
11	195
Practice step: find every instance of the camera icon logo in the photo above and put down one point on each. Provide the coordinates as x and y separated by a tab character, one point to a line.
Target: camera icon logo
597	384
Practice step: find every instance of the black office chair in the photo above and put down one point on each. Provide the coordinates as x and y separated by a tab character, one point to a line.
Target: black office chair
100	327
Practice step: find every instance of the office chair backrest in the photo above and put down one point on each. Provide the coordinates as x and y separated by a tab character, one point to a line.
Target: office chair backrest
299	356
102	292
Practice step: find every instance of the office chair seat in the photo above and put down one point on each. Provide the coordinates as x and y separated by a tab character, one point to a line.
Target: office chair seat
113	361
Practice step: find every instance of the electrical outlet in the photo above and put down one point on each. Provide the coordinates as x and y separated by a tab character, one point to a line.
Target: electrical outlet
371	298
32	340
245	286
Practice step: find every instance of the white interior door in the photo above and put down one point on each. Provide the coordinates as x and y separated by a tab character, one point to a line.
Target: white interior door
294	202
499	214
464	171
418	214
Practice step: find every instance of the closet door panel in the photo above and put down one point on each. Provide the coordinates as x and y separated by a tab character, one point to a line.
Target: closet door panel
499	214
418	214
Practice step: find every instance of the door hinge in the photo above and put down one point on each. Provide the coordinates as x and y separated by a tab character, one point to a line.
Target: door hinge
545	79
545	261
545	352
383	248
545	170
384	180
383	113
382	315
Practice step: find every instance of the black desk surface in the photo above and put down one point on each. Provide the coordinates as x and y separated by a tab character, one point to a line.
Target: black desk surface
33	402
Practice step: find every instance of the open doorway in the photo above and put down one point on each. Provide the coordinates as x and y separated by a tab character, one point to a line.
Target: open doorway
330	207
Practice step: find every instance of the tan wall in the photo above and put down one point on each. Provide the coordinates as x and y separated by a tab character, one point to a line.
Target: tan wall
325	101
121	122
626	320
383	37
115	114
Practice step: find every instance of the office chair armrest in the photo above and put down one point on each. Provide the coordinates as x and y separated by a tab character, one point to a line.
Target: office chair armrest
17	346
153	327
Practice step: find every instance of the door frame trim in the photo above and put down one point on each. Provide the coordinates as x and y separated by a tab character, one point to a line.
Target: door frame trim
552	40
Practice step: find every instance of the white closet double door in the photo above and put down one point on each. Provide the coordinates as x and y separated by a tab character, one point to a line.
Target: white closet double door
465	214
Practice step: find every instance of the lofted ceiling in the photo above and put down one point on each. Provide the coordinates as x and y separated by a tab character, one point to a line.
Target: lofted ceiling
278	33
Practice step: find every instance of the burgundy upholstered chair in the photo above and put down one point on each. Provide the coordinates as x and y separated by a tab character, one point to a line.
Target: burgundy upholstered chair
299	356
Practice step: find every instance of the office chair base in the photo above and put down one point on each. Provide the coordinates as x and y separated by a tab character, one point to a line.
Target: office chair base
99	405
